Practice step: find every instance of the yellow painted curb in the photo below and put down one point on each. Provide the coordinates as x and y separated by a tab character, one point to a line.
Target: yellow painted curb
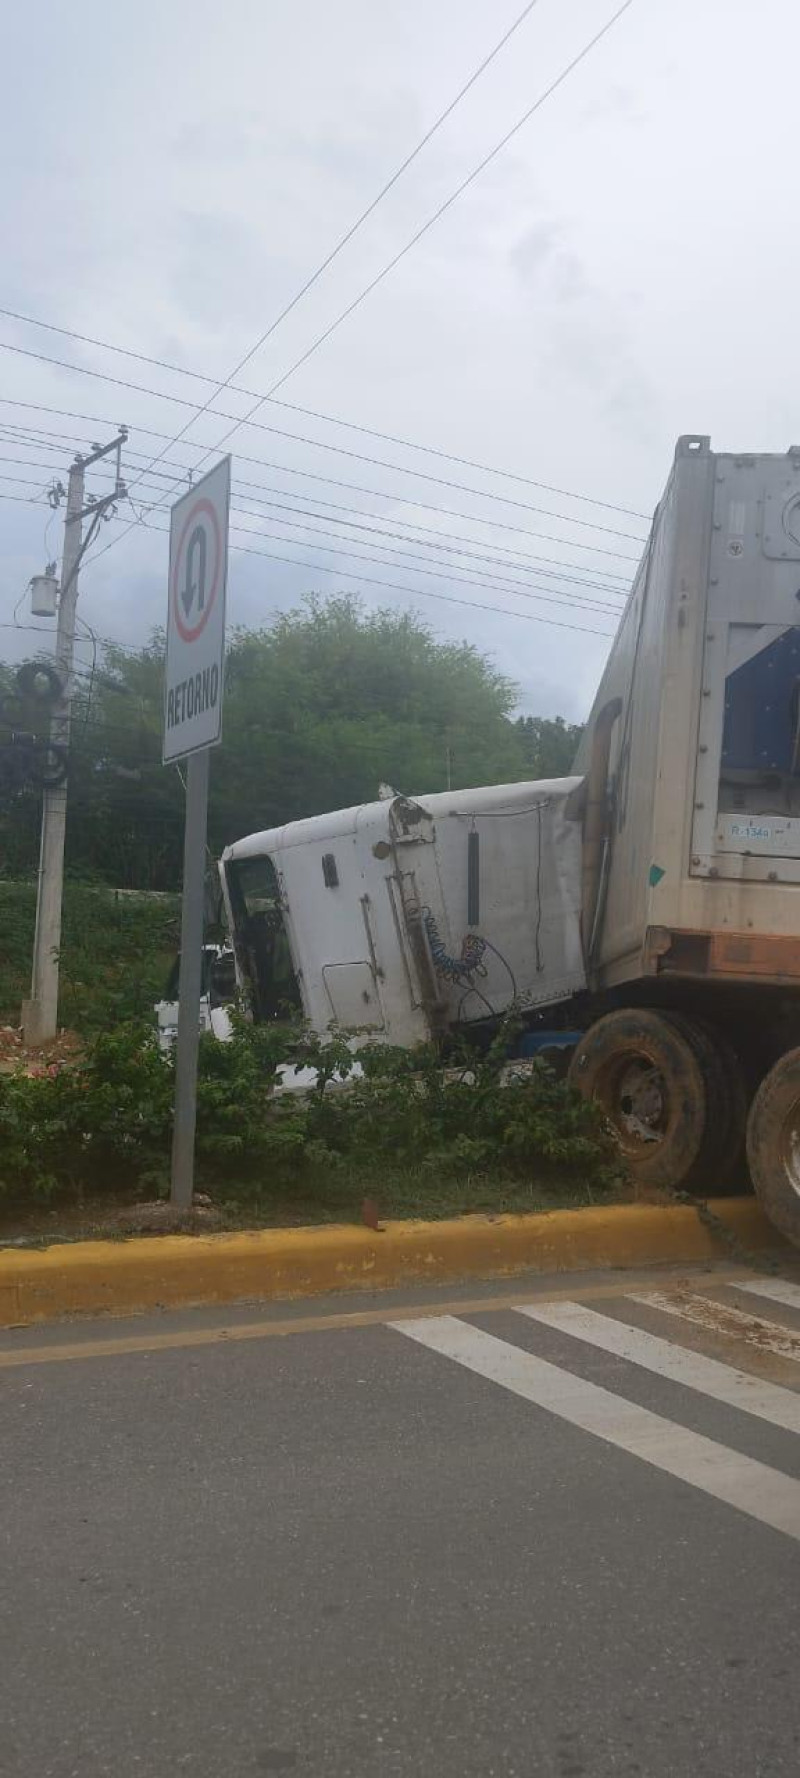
168	1271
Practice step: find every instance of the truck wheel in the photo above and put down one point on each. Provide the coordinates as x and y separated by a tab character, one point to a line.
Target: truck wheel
726	1113
773	1144
649	1078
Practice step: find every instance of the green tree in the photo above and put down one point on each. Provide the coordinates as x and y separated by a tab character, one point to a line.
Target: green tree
125	808
330	701
549	745
321	706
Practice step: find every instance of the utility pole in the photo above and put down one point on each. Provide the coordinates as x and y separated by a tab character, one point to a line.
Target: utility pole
40	1013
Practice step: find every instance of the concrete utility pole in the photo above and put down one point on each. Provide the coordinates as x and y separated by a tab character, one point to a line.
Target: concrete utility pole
40	1013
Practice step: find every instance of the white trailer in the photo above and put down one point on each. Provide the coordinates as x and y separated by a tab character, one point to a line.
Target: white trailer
654	898
692	868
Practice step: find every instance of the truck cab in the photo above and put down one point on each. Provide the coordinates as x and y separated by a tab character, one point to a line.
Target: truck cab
409	918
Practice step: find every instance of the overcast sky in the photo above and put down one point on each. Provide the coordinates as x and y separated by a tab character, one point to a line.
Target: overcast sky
625	271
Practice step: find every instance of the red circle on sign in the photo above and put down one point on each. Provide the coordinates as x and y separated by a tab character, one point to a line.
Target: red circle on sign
188	632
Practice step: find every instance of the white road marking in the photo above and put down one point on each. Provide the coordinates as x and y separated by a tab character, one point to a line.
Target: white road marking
779	1290
741	1482
721	1318
735	1388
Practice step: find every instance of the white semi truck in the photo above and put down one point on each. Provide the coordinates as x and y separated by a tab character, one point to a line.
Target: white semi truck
652	900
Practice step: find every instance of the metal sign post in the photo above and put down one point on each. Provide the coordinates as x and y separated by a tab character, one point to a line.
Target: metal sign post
198	564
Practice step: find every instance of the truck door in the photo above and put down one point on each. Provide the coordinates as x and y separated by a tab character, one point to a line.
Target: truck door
260	937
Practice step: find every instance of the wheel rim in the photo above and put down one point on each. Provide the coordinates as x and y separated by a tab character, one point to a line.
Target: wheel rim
790	1147
636	1101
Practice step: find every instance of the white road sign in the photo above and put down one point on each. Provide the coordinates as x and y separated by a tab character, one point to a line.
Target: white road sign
198	567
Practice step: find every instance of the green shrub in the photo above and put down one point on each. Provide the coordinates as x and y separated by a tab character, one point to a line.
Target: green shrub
464	1116
105	1124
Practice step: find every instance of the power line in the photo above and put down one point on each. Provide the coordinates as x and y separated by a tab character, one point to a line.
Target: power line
35	444
424	593
469	518
30	462
18	427
392	549
311	413
294	561
413	592
301	523
261	487
252	491
360	220
392	586
389	267
430	538
39	630
100	376
27	481
430	532
495	582
462	554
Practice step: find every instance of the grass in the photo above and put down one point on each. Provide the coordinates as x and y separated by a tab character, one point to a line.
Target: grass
406	1192
115	956
336	1197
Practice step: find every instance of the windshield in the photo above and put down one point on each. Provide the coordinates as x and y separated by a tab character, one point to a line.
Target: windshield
260	937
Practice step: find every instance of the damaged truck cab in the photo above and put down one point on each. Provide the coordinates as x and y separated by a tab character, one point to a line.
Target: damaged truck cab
404	918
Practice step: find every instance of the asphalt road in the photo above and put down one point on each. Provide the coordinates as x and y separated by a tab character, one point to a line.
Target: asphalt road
478	1546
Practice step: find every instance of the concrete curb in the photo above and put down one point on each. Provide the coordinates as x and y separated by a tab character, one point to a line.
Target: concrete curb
171	1271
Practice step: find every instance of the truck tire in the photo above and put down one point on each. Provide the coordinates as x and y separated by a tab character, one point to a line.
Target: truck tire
773	1145
727	1101
649	1076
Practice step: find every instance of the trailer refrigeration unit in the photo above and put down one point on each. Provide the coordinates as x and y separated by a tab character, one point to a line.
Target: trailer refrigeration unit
653	899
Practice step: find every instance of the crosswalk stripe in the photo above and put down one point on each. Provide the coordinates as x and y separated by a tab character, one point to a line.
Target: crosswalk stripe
721	1318
741	1482
779	1290
706	1375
